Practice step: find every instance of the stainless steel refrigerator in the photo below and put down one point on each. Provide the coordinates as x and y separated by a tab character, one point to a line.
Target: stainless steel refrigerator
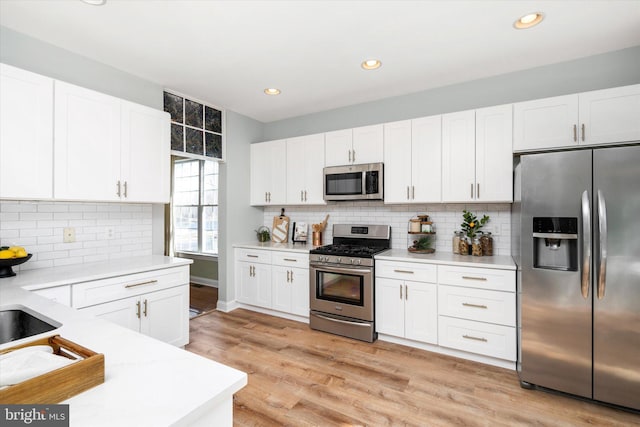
576	231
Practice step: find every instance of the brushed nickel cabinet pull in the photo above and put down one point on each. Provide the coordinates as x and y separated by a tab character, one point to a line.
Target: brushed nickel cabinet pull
269	196
469	337
403	271
291	259
291	276
408	192
400	291
252	256
413	192
301	195
148	282
472	190
354	155
288	273
575	133
265	197
145	308
483	279
118	187
349	156
478	191
125	189
406	292
583	136
305	195
138	309
466	304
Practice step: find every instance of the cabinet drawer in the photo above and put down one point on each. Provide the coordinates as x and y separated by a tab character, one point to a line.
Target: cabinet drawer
416	272
290	259
477	304
477	337
253	255
114	288
483	278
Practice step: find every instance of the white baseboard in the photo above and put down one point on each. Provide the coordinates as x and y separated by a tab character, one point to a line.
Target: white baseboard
204	281
301	319
227	306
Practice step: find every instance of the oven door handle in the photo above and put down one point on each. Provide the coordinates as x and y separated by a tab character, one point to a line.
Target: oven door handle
367	325
341	269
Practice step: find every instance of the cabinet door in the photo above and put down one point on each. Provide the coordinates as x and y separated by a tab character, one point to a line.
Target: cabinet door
262	279
87	144
458	156
610	115
281	288
545	123
124	312
305	160
494	154
390	306
165	315
421	312
26	134
300	291
426	160
337	147
268	173
247	289
368	146
145	158
397	162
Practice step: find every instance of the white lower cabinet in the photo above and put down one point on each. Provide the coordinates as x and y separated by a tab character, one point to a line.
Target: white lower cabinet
477	337
276	280
155	303
407	308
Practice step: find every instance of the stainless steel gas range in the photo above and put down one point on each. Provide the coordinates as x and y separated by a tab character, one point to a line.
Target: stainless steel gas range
342	289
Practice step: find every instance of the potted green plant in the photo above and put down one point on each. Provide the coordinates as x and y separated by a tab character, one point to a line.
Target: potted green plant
263	234
471	225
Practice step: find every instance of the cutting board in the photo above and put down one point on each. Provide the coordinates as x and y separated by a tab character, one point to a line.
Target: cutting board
280	229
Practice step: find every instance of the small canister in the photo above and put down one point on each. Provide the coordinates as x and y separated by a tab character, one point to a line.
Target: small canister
455	242
414	225
487	244
316	238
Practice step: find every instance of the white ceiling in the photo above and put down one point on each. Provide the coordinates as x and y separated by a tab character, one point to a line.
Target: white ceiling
227	52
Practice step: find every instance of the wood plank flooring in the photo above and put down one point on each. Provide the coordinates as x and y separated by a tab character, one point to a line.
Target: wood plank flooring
203	298
300	377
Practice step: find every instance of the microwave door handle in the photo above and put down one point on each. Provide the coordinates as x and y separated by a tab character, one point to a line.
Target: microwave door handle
586	244
602	231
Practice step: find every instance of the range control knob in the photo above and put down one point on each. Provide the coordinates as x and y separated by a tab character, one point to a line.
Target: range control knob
358	261
338	260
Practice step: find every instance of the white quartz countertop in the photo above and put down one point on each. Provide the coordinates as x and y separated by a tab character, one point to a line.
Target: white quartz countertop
147	382
285	247
497	261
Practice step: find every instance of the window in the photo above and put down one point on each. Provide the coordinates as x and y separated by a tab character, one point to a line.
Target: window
195	206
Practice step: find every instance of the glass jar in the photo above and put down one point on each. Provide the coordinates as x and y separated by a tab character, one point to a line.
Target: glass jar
464	245
414	225
455	242
487	244
476	247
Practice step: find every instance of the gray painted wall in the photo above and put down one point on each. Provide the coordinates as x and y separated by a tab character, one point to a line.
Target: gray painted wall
611	69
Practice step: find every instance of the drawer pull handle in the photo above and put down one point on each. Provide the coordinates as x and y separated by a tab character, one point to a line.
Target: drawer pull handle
403	271
138	310
252	256
148	282
469	337
484	279
291	259
466	304
145	308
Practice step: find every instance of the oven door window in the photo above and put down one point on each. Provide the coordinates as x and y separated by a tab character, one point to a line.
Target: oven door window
338	287
344	184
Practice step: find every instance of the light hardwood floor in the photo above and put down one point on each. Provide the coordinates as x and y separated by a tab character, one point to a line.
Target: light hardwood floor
300	377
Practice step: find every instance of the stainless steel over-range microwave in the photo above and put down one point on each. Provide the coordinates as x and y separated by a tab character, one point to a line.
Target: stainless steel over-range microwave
354	182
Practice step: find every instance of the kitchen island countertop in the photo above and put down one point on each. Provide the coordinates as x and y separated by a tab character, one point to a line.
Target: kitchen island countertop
147	382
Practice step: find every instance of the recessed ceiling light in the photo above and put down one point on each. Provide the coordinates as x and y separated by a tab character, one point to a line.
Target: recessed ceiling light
529	20
94	2
272	91
371	64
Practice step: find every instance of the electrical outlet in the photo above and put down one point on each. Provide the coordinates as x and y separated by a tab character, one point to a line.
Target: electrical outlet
69	235
110	233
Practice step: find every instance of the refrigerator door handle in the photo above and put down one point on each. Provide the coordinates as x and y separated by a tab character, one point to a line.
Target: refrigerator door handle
586	244
602	229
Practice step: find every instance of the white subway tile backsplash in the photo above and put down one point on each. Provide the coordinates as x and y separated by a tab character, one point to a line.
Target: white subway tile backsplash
38	226
446	219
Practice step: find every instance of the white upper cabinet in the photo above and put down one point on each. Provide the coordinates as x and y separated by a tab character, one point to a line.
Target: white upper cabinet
305	161
354	146
610	115
269	173
87	145
145	153
108	149
494	154
26	134
477	155
412	160
590	118
458	156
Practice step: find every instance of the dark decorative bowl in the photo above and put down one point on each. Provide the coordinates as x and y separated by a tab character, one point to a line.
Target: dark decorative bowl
6	264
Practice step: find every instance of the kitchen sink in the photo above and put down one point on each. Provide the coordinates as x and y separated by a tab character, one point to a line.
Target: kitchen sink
19	322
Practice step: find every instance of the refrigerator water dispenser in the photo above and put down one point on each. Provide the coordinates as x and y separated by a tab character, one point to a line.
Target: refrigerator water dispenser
555	243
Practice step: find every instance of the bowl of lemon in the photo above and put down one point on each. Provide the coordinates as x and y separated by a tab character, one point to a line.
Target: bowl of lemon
11	256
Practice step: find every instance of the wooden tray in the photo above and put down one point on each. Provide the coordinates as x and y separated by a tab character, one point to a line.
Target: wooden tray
62	383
